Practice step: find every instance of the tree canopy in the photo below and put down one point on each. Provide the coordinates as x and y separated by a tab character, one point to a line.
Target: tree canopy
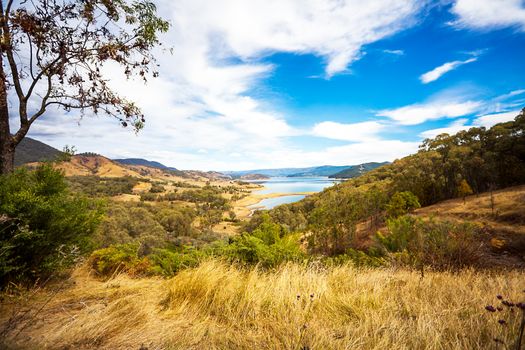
53	54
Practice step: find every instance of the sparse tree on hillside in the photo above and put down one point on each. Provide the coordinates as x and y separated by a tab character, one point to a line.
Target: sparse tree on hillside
402	203
53	54
464	189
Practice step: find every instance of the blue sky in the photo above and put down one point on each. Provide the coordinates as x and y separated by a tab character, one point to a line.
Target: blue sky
254	84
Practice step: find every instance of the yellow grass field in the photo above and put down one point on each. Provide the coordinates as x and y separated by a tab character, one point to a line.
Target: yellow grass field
220	306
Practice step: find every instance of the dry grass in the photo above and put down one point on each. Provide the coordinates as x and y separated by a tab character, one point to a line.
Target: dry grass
219	306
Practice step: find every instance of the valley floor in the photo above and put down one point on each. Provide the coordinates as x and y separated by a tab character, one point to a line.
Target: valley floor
220	306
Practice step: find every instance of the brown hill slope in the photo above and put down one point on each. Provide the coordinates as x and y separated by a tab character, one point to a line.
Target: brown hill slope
501	215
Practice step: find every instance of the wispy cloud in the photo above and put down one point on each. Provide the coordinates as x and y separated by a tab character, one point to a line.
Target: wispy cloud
487	121
434	109
364	131
394	52
489	14
490	120
454	127
438	72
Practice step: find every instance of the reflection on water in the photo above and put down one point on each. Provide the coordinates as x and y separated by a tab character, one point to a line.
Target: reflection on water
269	203
295	184
290	185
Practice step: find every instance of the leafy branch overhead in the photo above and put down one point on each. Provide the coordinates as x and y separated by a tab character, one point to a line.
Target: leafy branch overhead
55	52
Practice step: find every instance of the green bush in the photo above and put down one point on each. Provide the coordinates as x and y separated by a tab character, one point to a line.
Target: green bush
402	203
42	226
268	245
167	263
98	186
436	243
357	258
157	188
119	258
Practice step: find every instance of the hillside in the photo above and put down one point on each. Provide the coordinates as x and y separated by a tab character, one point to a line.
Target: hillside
143	162
30	150
356	170
324	170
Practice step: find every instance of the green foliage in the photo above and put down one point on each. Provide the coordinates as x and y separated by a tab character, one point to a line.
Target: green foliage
464	189
402	203
435	243
119	258
268	245
208	197
96	186
167	263
153	226
42	223
156	188
358	258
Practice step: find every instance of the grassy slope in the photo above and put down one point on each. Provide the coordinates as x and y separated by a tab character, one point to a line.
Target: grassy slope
503	238
217	306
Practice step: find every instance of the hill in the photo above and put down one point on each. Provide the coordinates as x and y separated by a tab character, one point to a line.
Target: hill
357	170
143	162
323	170
30	150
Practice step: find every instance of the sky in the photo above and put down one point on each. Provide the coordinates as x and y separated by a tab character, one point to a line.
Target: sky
295	83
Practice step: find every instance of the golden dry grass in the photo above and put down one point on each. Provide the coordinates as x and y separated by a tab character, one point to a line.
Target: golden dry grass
220	306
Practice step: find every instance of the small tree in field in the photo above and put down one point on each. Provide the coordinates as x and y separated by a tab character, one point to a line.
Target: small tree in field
52	54
464	189
402	203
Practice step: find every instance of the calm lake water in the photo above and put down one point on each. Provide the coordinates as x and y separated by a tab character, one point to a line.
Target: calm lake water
290	185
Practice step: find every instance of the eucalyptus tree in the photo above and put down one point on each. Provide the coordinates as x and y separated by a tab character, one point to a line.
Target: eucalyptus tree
53	54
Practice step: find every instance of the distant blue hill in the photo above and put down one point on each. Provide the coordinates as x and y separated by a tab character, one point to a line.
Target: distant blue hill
324	170
356	170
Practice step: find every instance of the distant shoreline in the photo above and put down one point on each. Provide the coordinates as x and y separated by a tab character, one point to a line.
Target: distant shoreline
247	205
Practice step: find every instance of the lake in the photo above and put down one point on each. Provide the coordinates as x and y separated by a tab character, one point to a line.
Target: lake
292	185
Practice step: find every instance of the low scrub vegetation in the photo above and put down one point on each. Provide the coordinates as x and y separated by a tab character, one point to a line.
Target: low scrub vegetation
97	186
43	227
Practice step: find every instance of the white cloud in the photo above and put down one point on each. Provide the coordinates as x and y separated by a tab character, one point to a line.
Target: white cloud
437	72
364	131
432	110
335	30
201	110
486	121
394	52
490	120
489	14
453	128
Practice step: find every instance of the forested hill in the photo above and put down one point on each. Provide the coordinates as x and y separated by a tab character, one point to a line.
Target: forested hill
357	170
445	167
30	150
323	170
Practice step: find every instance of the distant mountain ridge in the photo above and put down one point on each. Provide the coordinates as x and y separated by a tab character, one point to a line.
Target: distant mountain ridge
30	150
324	170
143	162
356	170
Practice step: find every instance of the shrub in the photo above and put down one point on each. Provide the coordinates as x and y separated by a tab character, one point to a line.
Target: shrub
119	258
97	186
156	188
167	262
436	243
402	203
357	258
269	245
42	225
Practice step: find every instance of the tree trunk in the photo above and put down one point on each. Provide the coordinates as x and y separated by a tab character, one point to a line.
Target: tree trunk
7	144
